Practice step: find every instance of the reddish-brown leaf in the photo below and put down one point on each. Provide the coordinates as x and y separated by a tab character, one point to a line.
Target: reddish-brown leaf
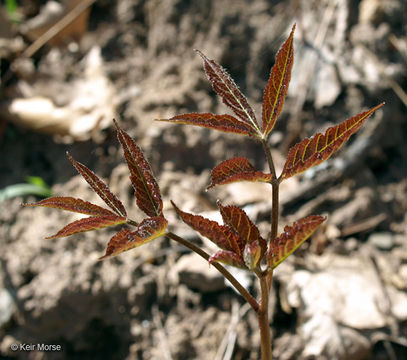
226	88
149	229
147	192
237	219
221	235
89	223
228	258
72	204
225	123
236	169
320	147
99	187
277	86
292	237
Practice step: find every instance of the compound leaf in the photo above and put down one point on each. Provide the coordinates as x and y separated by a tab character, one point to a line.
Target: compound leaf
225	123
236	169
277	85
228	258
221	235
231	96
147	192
149	229
292	237
72	204
320	147
89	223
99	187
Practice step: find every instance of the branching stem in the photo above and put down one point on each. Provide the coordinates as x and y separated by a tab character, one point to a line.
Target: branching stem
249	298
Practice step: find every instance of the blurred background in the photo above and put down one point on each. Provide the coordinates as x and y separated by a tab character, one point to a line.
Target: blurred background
69	67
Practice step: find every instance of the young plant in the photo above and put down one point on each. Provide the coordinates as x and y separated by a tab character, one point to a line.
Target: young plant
240	242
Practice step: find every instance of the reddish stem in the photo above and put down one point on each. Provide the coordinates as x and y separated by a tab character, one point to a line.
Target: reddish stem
249	298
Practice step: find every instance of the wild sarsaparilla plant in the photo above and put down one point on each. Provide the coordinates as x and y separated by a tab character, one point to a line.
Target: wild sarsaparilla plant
240	242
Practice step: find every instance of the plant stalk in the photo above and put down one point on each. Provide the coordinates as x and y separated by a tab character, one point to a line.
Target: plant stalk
249	298
275	184
263	319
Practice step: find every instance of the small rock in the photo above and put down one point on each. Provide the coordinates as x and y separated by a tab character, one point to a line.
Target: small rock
382	240
7	307
328	87
370	11
196	273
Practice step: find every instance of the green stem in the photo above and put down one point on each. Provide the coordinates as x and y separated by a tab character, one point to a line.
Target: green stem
249	298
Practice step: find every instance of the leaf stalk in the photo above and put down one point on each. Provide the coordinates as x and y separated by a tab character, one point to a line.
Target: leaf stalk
249	298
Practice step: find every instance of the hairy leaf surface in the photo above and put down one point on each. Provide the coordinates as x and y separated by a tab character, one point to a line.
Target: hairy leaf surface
228	258
236	169
237	219
226	88
89	223
225	123
147	192
320	147
72	204
221	235
149	229
277	86
99	187
292	237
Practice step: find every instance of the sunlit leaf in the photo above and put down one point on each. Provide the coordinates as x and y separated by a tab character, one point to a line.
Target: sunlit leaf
226	88
149	229
147	192
228	258
225	123
277	86
236	169
292	237
320	147
221	235
99	187
72	204
237	219
89	223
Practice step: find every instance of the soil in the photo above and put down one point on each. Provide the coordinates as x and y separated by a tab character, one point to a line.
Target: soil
342	295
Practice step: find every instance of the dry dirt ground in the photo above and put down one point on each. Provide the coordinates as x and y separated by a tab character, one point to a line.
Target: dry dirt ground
343	295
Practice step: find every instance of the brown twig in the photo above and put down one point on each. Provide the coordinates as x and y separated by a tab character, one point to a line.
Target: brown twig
57	28
249	298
